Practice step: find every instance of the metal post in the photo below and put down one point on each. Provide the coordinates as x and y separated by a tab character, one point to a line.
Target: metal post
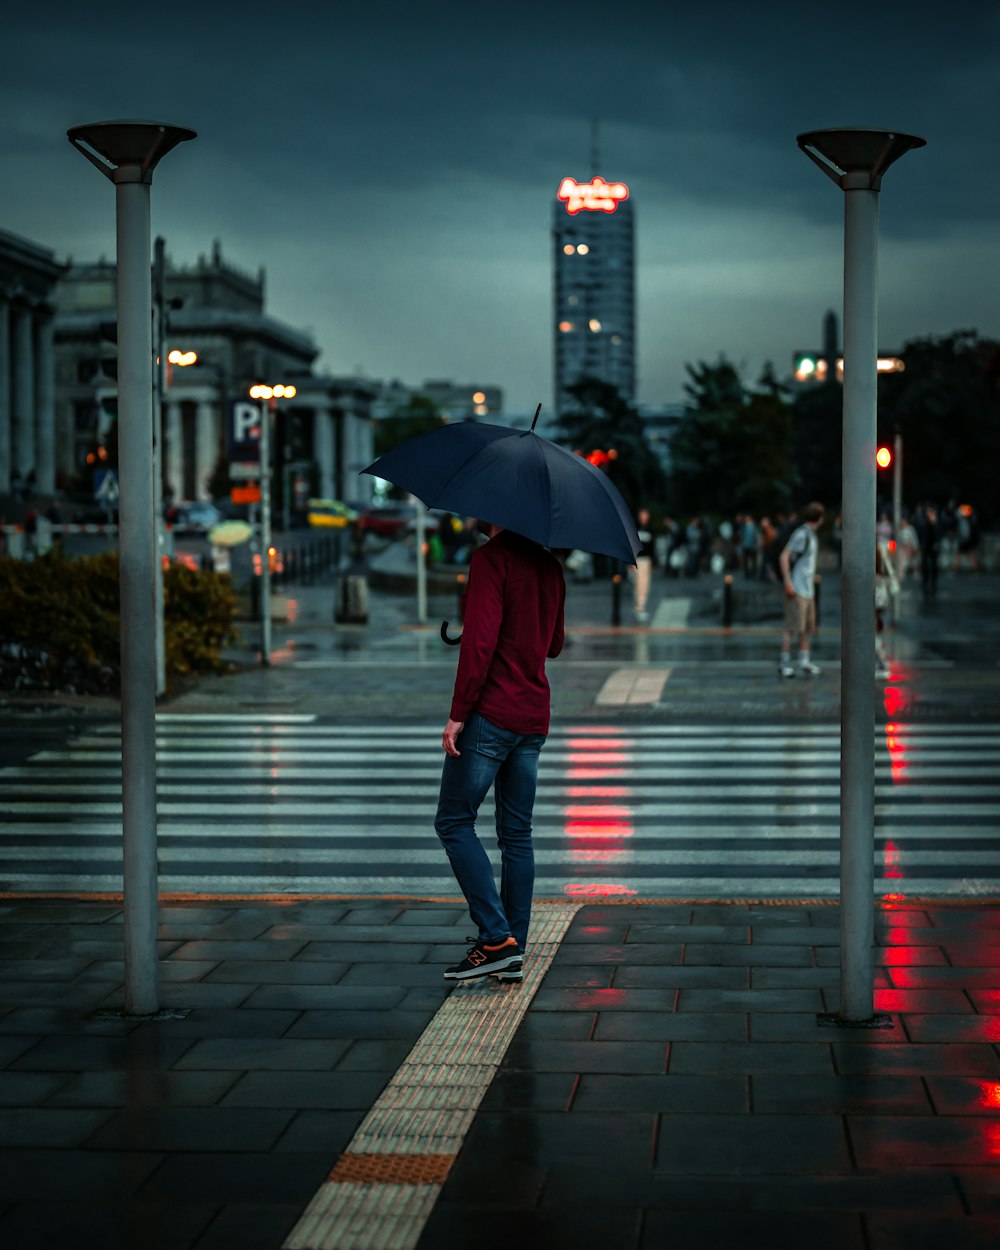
127	153
616	596
421	562
265	531
897	521
159	390
137	555
856	160
857	759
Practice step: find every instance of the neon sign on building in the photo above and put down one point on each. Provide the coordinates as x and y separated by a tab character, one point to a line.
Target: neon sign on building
594	196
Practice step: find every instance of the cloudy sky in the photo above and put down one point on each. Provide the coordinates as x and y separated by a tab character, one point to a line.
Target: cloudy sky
392	166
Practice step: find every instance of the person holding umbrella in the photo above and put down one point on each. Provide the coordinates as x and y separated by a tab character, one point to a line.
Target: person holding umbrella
535	497
499	718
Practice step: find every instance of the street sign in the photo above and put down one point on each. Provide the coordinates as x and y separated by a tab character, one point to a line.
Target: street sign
243	430
245	494
244	471
106	485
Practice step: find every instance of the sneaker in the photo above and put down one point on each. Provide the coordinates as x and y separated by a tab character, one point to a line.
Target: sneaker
486	958
509	975
809	669
786	670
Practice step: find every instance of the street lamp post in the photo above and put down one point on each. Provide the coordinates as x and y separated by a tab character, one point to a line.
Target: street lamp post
127	152
856	160
268	395
897	518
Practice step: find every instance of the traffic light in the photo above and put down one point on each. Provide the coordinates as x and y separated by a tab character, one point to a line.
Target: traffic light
883	457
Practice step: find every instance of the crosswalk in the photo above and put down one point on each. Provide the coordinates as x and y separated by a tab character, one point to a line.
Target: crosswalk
293	804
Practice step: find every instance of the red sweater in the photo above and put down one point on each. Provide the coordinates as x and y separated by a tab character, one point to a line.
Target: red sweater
513	619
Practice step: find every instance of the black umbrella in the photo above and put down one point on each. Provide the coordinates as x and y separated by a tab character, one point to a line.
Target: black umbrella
517	479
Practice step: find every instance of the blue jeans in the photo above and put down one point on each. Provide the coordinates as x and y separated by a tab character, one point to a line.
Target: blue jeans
491	756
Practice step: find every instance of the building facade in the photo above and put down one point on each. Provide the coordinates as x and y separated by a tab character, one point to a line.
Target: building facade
28	440
216	327
456	401
593	238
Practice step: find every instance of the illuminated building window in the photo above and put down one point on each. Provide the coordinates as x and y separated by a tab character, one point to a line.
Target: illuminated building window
569	249
573	300
595	325
616	339
583	249
565	326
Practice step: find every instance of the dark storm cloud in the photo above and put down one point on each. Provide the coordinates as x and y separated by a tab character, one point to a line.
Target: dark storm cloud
393	166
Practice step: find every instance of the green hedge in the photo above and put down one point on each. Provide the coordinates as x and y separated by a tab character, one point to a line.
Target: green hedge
59	623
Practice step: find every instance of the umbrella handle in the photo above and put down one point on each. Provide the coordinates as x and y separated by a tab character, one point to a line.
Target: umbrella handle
452	642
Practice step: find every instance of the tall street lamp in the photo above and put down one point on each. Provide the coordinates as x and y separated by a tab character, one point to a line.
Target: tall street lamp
127	152
856	160
268	395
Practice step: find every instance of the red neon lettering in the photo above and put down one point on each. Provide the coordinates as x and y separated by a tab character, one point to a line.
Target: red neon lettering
593	196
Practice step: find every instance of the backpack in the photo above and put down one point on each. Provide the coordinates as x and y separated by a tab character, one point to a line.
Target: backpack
773	550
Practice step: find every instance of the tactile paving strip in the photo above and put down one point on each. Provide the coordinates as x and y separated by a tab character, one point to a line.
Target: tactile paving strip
382	1189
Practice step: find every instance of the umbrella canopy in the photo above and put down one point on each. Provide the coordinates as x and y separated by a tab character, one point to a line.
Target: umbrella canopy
516	479
230	533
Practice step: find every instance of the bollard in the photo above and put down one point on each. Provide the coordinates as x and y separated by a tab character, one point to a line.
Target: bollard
616	599
352	600
727	601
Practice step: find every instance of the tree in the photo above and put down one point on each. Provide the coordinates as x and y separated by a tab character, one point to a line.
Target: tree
602	420
416	416
946	405
732	451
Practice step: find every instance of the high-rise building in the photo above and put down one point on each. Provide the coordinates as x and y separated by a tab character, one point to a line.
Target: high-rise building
594	264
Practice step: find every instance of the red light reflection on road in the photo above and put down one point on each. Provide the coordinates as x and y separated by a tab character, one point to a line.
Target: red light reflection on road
598	792
896	746
594	774
596	889
892	869
989	1094
597	830
895	700
991	1139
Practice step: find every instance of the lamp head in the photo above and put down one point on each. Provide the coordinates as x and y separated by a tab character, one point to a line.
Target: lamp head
856	159
127	151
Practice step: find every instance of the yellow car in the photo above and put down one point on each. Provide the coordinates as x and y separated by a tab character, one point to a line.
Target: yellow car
330	514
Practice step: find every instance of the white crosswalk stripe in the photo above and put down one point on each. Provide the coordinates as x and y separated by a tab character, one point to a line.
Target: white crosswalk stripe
289	804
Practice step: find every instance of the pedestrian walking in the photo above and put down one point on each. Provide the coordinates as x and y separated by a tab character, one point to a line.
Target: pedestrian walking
645	561
499	719
885	587
749	544
675	541
929	532
797	564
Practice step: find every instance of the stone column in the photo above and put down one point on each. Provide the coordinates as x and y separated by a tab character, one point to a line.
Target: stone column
174	449
23	405
45	406
5	432
206	447
323	450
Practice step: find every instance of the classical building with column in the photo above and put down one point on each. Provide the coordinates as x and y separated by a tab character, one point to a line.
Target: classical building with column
215	312
28	443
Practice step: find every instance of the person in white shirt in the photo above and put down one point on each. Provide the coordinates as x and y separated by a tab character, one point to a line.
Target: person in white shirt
797	563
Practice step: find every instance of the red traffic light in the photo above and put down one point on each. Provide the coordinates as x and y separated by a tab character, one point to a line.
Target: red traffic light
883	457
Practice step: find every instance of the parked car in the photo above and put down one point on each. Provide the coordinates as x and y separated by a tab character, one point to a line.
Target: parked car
330	514
193	517
386	520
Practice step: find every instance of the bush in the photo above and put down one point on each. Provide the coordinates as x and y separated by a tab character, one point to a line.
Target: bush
59	623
